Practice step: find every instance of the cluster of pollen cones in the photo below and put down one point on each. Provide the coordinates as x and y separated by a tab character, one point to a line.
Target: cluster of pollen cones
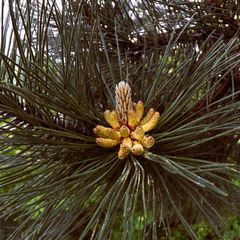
127	125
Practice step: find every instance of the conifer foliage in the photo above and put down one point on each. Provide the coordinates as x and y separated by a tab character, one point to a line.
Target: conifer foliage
59	67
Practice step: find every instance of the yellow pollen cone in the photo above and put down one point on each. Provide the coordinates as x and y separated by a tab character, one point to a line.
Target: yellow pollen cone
123	151
138	133
148	142
124	131
137	149
139	109
100	131
111	118
152	123
127	142
148	116
106	143
113	134
132	119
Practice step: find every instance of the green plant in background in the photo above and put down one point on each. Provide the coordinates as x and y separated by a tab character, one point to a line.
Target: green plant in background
59	66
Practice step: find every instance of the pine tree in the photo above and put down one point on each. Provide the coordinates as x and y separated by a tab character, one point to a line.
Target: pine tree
78	160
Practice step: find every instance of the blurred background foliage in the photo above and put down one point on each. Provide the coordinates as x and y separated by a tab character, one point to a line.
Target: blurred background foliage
59	64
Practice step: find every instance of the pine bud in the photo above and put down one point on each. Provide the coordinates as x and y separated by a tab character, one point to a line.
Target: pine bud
123	152
132	119
112	119
113	134
106	143
100	131
137	149
149	114
123	100
138	133
124	131
127	142
139	109
148	142
152	122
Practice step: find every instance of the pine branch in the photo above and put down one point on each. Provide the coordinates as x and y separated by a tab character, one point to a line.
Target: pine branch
58	75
